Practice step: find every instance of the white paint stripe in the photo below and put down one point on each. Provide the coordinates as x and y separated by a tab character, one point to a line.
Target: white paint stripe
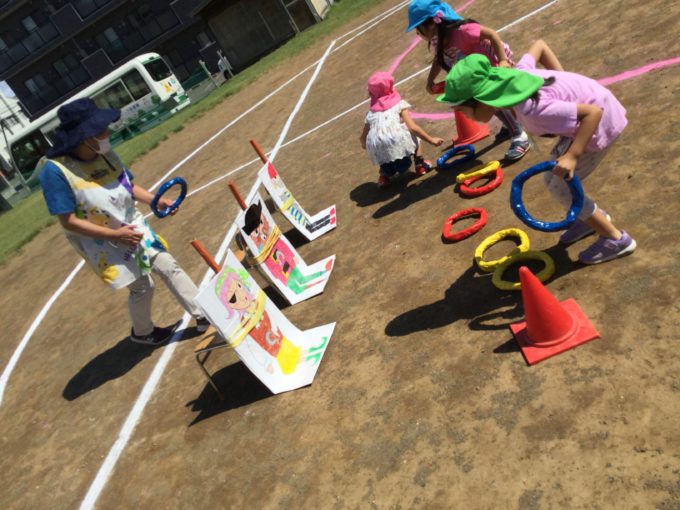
133	418
532	13
36	322
304	95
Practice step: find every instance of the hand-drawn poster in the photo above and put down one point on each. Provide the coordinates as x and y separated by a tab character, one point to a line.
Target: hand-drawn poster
278	353
277	259
311	227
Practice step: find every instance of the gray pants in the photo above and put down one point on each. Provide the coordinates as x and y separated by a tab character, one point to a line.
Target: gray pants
141	292
559	188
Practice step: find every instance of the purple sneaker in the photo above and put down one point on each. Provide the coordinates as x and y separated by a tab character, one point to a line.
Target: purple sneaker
578	231
605	249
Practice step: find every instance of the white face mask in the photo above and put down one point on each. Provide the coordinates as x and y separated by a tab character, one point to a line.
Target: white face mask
104	145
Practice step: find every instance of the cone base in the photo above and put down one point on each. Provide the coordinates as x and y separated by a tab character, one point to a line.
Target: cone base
533	353
482	132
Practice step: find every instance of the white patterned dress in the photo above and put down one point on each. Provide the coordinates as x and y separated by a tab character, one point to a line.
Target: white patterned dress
388	137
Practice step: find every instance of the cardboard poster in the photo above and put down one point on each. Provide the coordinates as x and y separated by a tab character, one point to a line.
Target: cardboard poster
277	259
280	355
310	226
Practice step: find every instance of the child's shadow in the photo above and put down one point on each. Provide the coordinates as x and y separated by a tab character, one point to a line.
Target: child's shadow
429	185
473	297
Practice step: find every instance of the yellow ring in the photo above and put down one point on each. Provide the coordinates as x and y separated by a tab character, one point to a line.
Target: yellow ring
542	276
487	243
479	171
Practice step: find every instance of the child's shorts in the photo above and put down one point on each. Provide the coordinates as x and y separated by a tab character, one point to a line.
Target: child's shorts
398	166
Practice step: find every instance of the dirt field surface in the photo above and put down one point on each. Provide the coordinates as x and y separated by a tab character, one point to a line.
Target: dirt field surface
423	399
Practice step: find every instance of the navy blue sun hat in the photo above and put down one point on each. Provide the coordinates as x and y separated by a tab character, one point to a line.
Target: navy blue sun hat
80	119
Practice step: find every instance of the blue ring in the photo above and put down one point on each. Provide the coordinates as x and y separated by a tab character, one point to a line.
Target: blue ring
442	161
544	226
165	187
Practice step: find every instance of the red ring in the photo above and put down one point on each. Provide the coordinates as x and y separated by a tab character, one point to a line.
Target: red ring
466	190
473	229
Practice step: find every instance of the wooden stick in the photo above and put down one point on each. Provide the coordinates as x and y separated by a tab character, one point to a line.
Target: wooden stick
203	252
237	195
259	151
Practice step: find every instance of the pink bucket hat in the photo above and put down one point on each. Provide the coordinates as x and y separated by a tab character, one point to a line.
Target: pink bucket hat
381	90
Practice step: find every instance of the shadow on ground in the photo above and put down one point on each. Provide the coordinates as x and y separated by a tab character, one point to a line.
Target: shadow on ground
112	364
239	387
474	298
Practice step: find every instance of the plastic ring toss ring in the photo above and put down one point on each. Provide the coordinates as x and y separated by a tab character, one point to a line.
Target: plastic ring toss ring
163	189
466	190
465	233
478	172
488	266
542	275
442	161
544	226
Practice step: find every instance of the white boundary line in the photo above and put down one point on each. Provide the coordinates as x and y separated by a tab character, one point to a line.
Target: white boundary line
133	418
4	379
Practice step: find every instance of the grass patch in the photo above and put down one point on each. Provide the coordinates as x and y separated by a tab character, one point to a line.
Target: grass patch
29	217
22	223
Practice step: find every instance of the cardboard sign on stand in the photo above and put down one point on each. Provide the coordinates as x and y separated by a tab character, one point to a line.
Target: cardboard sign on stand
276	257
309	226
279	354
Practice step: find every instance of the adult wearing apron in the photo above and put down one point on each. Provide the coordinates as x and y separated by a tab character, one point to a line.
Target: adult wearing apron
93	194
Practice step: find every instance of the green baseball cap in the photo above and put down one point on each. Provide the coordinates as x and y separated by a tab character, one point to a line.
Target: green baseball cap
473	77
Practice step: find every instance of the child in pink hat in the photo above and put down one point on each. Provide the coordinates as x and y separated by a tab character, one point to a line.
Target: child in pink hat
390	135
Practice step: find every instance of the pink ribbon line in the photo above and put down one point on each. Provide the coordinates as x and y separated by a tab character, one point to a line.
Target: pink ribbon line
626	75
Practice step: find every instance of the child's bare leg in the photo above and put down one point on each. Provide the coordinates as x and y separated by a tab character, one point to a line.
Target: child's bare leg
419	147
603	226
545	56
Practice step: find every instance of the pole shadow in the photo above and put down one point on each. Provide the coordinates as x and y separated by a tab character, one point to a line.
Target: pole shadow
113	363
239	387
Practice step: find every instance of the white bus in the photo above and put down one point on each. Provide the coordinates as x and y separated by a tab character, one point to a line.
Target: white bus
137	86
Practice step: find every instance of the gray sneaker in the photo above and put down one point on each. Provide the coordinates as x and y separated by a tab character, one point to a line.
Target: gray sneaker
518	148
605	249
578	231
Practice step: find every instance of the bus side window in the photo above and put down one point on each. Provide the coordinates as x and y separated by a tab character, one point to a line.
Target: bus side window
135	84
116	96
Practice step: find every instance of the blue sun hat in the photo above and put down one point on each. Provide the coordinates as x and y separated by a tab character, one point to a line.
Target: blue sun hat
420	10
80	119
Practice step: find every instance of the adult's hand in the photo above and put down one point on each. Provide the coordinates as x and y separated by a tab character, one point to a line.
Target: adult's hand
128	235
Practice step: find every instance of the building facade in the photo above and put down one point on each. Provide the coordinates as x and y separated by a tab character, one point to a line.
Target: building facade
52	49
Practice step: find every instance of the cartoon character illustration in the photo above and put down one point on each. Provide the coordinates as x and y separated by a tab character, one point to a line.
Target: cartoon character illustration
108	273
282	262
98	217
234	293
291	206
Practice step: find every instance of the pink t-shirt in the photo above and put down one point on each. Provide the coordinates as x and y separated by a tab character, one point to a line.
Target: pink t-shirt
555	111
466	40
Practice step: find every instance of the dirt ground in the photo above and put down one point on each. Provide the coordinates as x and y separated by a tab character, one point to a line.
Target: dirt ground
423	399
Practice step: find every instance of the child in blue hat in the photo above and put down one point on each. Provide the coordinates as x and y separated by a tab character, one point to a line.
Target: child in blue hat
452	38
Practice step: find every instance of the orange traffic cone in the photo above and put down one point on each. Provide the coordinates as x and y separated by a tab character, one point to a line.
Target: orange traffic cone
468	130
550	327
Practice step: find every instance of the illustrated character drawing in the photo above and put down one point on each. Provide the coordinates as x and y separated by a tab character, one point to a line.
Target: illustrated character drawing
234	294
285	195
282	263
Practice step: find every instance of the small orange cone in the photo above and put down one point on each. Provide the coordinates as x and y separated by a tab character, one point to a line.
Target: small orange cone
469	131
550	327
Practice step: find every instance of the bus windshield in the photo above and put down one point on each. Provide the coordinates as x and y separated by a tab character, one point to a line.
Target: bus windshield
158	69
28	150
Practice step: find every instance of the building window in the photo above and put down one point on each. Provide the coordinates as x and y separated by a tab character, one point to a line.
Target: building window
71	73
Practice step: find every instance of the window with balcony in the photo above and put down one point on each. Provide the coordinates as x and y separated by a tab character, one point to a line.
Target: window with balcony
87	7
71	73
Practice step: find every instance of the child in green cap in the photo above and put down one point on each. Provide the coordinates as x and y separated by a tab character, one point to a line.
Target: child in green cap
585	115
